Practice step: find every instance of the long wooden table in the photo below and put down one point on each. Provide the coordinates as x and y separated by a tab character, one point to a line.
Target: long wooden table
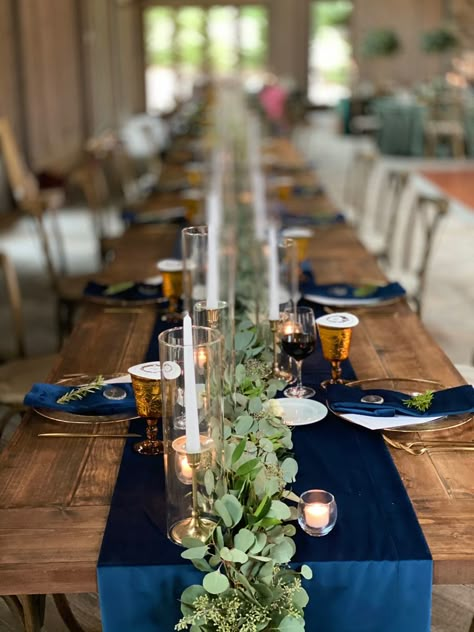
55	493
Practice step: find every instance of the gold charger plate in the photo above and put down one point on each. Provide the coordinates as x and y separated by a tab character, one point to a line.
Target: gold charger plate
413	386
71	418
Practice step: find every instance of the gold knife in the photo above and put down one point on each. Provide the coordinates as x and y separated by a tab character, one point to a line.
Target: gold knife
88	435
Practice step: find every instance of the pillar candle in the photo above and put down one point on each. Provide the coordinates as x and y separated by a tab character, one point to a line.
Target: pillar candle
274	310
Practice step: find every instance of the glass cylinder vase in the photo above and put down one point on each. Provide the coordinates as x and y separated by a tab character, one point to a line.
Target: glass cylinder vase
193	481
194	248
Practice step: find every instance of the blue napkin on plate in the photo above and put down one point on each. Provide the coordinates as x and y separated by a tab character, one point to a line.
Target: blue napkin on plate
346	290
323	219
135	292
134	218
300	190
46	396
451	401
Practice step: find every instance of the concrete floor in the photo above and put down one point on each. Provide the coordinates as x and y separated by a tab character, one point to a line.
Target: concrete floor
448	305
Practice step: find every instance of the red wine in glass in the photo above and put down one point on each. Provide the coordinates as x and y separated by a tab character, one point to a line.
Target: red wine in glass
299	345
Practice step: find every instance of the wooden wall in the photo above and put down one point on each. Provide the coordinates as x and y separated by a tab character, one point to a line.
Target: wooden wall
408	18
68	69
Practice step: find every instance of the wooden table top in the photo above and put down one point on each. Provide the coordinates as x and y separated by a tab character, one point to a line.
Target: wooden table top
458	184
55	493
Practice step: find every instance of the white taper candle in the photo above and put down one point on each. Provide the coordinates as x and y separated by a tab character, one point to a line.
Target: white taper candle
193	444
274	310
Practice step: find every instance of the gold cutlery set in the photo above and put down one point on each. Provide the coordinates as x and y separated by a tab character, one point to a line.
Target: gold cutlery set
418	448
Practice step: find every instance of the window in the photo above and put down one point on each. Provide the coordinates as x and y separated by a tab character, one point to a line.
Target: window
187	43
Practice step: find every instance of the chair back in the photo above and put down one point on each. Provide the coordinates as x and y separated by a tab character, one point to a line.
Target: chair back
22	182
416	226
14	300
357	182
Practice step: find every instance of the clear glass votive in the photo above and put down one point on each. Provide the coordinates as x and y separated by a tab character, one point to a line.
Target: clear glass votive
317	512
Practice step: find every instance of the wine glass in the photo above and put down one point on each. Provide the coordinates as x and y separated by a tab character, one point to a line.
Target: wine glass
172	273
146	382
335	333
298	339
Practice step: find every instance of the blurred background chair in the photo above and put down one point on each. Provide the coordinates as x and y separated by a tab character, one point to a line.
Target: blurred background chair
444	126
416	227
18	374
356	183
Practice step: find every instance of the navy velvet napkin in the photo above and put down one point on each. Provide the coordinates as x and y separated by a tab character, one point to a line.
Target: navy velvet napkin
46	396
346	290
136	292
321	219
347	399
166	216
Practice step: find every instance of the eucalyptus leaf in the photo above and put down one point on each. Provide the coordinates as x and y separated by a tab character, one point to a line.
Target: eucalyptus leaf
266	444
240	374
279	510
195	553
239	450
260	542
291	624
248	466
222	511
243	339
243	424
226	554
209	482
266	570
202	565
263	507
301	598
239	557
215	583
255	405
282	553
289	469
306	572
234	508
244	540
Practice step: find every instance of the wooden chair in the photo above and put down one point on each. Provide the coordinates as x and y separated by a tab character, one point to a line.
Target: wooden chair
26	192
446	123
17	375
377	228
40	204
356	184
410	249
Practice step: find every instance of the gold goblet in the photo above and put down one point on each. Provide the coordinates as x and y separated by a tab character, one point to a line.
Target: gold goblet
335	334
172	273
301	237
146	382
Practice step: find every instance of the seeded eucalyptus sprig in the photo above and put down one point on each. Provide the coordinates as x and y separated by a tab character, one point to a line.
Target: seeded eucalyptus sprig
81	391
421	402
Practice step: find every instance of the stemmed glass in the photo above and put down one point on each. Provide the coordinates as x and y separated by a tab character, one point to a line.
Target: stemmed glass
172	272
335	333
146	382
298	339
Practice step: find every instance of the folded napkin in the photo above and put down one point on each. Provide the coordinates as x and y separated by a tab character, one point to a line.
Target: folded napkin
133	292
166	216
321	219
348	291
302	190
451	401
46	396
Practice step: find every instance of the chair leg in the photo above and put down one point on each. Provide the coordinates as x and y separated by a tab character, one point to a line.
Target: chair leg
33	611
66	614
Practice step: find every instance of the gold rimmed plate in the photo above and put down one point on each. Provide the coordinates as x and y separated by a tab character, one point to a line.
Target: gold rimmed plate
338	298
71	418
411	386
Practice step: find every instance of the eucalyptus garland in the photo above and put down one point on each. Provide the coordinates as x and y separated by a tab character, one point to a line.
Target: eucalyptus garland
248	585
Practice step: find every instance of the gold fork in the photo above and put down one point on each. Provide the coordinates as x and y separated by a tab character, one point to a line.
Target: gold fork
417	448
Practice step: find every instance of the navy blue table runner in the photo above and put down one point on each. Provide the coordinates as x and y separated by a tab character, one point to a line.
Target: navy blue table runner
372	573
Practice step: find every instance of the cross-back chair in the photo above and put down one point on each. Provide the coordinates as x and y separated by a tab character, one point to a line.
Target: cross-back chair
412	242
377	229
356	184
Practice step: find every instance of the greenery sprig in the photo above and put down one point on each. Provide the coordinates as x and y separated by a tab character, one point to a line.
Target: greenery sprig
81	391
421	402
